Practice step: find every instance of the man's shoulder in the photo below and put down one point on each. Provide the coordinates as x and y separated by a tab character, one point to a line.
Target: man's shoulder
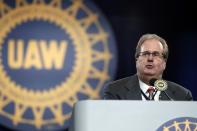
179	92
176	86
121	82
178	89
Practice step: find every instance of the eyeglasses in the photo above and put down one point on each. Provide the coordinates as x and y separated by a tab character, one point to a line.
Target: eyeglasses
155	54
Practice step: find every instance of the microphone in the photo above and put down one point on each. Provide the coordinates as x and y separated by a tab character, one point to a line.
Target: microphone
160	85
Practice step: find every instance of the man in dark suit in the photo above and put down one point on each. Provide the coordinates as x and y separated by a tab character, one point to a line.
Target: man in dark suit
151	57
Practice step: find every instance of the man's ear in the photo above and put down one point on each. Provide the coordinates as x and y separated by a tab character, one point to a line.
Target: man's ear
164	65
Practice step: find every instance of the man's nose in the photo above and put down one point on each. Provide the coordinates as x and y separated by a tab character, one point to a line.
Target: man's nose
150	57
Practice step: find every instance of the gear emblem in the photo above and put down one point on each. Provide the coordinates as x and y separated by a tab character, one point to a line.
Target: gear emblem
52	54
180	124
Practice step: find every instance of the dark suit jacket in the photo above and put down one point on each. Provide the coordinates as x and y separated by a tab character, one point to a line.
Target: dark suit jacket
128	89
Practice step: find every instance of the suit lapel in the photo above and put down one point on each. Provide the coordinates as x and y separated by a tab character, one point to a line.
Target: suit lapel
163	96
134	92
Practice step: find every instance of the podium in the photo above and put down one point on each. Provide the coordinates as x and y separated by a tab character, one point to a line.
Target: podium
125	115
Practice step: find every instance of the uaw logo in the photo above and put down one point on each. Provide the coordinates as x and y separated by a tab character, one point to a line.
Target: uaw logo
180	124
52	54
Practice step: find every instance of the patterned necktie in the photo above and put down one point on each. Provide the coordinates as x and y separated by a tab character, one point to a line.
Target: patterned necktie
151	91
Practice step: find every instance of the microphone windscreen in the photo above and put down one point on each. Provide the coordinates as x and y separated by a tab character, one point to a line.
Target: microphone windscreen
152	81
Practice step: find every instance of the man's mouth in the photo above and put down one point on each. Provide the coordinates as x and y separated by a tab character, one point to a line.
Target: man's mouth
149	66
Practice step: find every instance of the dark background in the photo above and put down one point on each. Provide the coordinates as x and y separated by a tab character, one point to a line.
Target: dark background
174	20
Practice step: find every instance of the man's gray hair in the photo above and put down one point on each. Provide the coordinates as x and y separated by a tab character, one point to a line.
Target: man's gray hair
145	37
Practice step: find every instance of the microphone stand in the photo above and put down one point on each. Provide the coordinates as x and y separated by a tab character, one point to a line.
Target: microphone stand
168	96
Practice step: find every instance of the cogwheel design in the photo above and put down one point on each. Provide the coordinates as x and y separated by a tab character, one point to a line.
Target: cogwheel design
37	102
187	124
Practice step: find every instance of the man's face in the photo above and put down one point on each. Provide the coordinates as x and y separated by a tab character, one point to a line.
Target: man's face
150	65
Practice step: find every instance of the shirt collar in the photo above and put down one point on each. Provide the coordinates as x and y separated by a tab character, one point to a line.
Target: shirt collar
144	87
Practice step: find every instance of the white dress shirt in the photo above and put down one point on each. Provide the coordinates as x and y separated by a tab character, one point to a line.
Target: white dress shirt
144	87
